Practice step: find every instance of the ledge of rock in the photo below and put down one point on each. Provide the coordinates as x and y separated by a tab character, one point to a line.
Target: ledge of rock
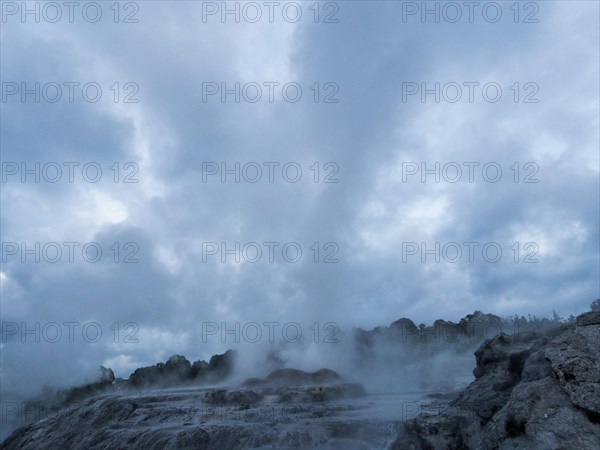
589	318
293	385
530	392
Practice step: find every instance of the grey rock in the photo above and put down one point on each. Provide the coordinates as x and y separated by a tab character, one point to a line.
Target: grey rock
253	382
575	359
589	318
321	393
537	366
239	398
293	377
533	393
540	415
178	370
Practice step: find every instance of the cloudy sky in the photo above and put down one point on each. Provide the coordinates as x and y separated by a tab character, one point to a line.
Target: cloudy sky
423	168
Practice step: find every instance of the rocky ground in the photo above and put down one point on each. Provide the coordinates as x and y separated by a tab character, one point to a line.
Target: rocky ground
530	392
535	389
288	409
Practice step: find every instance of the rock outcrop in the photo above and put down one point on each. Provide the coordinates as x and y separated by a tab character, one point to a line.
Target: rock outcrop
178	370
294	386
233	397
530	391
291	377
575	360
101	423
197	418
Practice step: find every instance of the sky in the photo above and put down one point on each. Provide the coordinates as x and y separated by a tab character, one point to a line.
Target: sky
178	178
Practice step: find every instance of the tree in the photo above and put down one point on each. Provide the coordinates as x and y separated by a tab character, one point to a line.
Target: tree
595	306
555	316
